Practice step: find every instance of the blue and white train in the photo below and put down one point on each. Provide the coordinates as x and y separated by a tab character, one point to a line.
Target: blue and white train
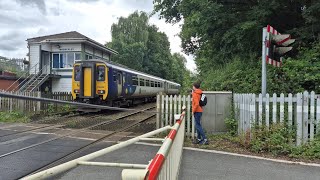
99	82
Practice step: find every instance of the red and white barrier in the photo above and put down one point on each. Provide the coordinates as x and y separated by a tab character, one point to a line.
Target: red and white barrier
166	163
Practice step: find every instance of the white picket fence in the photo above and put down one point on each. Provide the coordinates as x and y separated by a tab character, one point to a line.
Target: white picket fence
168	106
301	111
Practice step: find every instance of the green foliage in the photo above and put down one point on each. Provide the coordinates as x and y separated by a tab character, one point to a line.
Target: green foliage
13	117
277	139
225	37
232	126
142	47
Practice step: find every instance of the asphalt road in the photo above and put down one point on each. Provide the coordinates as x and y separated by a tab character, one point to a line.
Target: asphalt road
195	164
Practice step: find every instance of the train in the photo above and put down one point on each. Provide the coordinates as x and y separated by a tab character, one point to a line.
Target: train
107	83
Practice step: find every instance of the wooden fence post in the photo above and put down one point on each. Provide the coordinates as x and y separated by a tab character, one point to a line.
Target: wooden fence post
267	110
281	108
299	119
188	115
305	116
162	111
158	112
290	110
312	99
274	108
260	109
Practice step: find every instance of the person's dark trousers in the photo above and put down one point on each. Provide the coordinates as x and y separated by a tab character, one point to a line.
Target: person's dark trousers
199	129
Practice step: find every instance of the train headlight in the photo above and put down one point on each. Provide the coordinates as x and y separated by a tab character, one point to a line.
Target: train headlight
77	91
100	91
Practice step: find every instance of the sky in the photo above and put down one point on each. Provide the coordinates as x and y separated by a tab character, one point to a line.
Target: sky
23	19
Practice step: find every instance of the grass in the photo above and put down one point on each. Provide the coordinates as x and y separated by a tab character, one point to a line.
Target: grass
309	152
14	117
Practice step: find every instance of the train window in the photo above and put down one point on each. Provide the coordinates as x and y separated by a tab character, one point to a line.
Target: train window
124	77
134	80
101	73
141	82
119	78
114	76
147	82
77	73
152	83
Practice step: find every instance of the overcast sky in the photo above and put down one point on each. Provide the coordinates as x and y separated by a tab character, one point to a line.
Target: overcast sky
23	19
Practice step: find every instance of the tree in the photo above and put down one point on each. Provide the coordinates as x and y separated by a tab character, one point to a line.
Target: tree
142	47
227	32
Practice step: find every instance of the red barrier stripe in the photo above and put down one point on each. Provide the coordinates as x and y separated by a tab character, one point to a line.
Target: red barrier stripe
172	134
284	40
155	166
268	28
178	121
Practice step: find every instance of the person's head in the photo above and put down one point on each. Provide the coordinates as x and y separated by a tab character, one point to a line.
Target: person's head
196	85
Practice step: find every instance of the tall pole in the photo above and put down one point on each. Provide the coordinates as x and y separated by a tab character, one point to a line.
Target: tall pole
264	63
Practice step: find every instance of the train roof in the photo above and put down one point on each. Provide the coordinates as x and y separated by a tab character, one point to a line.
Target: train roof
127	69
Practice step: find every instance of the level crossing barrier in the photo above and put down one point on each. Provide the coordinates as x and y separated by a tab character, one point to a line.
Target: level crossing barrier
165	164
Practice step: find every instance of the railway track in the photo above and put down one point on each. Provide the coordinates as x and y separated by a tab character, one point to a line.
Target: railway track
81	149
87	128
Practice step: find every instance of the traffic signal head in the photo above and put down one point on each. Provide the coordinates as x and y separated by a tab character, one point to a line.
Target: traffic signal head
278	43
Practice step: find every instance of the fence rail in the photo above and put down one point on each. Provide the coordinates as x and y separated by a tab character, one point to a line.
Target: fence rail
168	106
28	106
300	111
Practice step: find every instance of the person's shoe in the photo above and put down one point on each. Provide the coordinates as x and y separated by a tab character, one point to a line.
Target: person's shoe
196	141
204	142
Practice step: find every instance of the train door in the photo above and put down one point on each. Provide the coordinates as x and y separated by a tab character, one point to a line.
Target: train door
87	80
119	83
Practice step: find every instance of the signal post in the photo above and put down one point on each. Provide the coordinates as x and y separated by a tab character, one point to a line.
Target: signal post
274	46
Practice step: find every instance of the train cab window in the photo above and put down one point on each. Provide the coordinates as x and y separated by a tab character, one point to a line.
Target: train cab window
152	83
101	73
134	80
147	82
77	73
141	82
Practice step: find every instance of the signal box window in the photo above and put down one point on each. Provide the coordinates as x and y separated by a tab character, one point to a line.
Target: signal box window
77	73
147	83
152	83
101	73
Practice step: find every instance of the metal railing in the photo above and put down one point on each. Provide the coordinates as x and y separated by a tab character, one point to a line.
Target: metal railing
20	78
34	77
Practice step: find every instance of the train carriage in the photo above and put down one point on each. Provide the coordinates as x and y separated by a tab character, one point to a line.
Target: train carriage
100	82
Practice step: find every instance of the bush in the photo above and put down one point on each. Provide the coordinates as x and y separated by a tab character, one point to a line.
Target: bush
13	117
232	126
277	139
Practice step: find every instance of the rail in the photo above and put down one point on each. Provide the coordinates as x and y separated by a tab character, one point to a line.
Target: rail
20	78
167	149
